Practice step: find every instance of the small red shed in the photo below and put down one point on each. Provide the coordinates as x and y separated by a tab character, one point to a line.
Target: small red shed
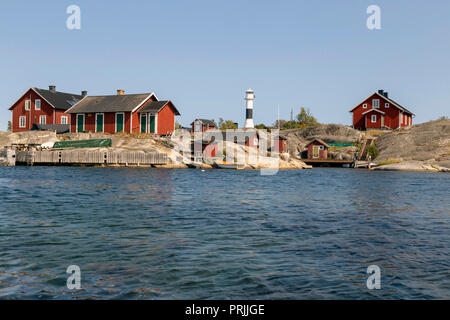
281	144
317	150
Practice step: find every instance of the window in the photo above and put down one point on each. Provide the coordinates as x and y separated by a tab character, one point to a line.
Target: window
365	105
374	118
27	104
386	105
64	120
320	147
42	119
22	122
37	104
376	103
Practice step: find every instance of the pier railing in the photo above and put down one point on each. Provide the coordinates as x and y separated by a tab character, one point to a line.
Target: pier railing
90	157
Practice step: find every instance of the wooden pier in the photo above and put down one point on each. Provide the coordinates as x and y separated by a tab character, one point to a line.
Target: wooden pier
76	157
329	162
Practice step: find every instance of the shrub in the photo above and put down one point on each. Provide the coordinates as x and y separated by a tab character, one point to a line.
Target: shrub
373	151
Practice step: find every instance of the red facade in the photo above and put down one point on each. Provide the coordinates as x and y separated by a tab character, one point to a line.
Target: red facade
317	150
23	120
164	120
380	112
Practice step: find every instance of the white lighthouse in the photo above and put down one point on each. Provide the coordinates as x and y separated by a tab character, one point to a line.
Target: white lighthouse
249	97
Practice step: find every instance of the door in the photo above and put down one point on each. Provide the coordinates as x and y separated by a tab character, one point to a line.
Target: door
152	123
119	122
99	125
315	151
143	123
80	122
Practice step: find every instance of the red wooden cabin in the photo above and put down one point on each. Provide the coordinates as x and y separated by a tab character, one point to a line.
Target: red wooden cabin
378	111
42	107
130	113
317	150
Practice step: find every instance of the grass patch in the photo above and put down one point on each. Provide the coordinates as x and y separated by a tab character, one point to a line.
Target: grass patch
389	161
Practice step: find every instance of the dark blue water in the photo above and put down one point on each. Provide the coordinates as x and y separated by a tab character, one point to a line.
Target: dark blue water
187	234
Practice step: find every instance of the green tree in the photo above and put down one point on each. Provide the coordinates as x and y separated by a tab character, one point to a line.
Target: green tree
261	126
177	125
9	126
228	124
290	125
373	151
305	117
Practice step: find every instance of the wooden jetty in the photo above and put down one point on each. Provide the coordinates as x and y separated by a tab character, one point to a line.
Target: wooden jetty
78	157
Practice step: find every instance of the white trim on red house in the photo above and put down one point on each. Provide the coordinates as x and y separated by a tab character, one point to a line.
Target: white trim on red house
115	121
24	122
145	100
390	101
376	110
84	121
103	121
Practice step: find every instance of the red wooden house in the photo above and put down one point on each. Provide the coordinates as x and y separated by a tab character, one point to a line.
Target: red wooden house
42	107
130	113
378	111
317	149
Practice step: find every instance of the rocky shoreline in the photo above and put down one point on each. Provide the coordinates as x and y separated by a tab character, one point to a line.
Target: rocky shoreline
424	147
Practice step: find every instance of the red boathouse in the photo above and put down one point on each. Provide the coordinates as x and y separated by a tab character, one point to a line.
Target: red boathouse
317	150
379	111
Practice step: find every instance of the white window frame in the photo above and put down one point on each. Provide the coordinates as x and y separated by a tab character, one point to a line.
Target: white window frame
42	117
123	122
377	104
24	120
103	124
365	106
386	105
64	117
373	118
27	105
36	103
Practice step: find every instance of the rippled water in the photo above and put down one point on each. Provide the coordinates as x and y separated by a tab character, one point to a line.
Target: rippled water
186	234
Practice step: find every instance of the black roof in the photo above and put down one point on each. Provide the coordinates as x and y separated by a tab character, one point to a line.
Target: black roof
59	100
59	128
206	122
155	106
113	103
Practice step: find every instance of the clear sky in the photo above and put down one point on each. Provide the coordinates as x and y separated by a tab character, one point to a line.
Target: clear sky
204	54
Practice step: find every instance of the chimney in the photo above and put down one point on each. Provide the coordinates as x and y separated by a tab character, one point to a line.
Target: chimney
84	93
52	88
381	92
120	92
386	94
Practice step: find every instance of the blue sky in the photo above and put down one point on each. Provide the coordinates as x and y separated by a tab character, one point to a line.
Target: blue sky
204	54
